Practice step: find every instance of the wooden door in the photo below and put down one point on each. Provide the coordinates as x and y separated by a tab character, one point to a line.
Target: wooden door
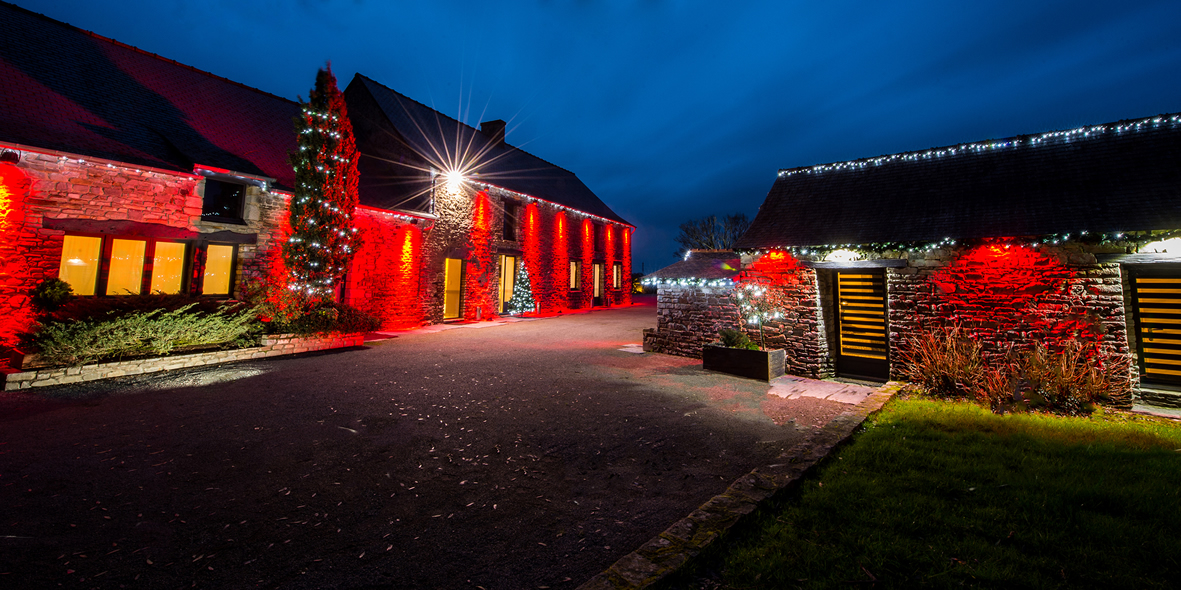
1157	305
862	347
452	288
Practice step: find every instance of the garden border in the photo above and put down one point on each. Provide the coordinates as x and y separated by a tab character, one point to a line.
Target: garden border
273	345
688	537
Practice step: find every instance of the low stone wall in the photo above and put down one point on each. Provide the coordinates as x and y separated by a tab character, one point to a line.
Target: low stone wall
277	345
688	317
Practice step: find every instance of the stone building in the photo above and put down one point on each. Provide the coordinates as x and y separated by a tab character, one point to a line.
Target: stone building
1034	238
123	172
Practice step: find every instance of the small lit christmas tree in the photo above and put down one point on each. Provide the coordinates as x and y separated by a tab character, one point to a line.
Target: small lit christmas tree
323	235
522	300
758	302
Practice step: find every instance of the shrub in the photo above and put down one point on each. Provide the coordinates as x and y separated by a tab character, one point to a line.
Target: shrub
142	333
50	294
945	363
87	308
1072	379
736	339
330	317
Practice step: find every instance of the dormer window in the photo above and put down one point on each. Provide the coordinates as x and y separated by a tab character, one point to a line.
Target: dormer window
223	201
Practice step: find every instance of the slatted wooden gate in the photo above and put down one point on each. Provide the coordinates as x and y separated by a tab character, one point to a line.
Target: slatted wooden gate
861	325
1157	300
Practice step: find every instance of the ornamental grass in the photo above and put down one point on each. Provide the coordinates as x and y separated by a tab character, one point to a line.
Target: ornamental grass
1070	377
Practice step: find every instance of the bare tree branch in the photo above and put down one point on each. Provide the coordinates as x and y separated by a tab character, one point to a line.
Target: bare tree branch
710	233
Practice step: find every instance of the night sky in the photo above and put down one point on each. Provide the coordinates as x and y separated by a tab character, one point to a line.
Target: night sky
676	110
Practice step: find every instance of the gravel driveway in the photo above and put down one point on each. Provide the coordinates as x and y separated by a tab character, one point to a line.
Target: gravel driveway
531	454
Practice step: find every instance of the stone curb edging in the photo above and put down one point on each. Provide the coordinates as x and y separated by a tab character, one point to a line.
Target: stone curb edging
272	346
688	537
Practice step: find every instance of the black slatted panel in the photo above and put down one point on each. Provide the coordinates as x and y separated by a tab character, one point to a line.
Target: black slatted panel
1158	310
861	305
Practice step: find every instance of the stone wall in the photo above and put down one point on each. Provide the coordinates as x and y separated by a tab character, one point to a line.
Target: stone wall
397	275
1006	298
689	317
50	195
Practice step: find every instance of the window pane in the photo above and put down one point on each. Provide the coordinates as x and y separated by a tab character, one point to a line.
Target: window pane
126	276
219	262
79	266
168	267
223	199
616	275
574	275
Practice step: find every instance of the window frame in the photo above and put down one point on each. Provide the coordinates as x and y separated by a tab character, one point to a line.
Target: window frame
191	278
240	219
616	276
509	230
575	275
233	271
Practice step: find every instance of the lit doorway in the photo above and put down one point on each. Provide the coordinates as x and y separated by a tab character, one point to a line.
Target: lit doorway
598	286
508	274
452	288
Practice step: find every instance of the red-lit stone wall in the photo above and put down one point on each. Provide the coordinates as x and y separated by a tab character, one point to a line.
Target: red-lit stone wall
113	199
1006	298
384	277
548	238
1009	298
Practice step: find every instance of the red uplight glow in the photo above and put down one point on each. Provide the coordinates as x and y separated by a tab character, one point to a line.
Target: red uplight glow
1005	288
15	314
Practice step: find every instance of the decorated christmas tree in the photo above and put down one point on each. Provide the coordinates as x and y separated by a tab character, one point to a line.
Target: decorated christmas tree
323	236
522	299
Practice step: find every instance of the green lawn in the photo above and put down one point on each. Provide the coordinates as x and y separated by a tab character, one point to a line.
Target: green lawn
939	494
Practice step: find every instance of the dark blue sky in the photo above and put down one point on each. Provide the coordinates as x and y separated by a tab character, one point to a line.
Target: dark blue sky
676	110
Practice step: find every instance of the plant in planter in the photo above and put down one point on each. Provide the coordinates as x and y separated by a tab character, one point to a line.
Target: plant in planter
736	353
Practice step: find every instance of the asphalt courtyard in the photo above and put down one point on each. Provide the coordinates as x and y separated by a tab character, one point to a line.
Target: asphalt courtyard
530	454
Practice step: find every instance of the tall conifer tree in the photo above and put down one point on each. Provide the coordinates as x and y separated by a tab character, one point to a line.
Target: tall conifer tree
323	234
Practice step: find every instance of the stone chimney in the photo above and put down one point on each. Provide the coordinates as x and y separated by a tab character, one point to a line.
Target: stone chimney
494	130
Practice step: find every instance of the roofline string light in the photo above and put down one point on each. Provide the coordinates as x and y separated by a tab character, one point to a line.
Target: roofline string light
532	199
688	282
1060	136
1134	239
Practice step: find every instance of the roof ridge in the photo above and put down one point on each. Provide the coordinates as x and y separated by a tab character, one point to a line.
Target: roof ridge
145	52
1085	131
505	144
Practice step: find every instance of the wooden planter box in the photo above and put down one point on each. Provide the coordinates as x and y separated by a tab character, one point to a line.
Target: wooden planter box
764	365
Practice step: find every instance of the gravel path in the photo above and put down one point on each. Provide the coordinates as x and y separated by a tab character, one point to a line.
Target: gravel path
526	455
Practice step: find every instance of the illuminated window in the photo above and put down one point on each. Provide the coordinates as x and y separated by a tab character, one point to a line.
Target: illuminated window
575	275
223	201
617	276
508	273
126	273
452	288
168	268
597	287
79	264
219	266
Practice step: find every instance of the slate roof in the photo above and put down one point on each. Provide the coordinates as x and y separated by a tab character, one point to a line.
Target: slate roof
1119	177
702	264
70	90
389	124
